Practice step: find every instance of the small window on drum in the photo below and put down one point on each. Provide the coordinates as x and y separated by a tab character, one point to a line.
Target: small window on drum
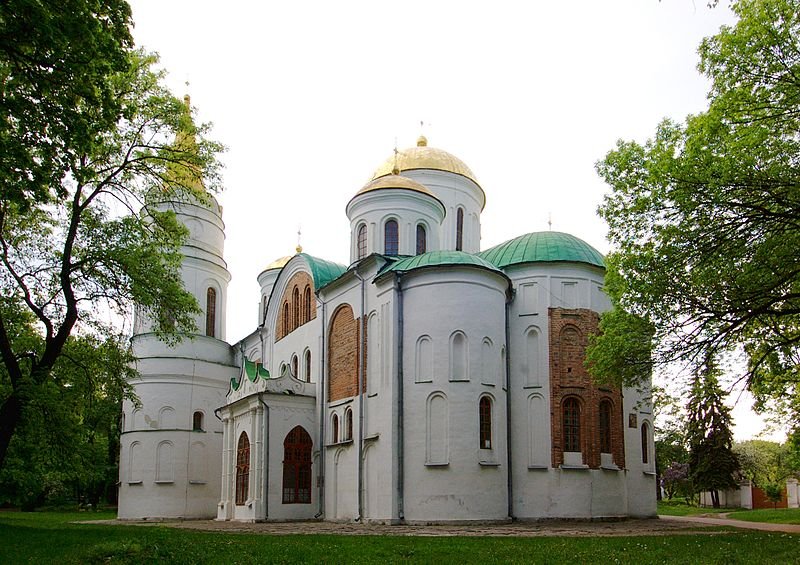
391	239
361	241
422	239
197	421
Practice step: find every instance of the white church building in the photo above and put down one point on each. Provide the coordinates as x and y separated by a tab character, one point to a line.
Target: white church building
428	381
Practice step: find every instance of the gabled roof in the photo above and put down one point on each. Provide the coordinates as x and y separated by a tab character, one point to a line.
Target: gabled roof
547	246
323	271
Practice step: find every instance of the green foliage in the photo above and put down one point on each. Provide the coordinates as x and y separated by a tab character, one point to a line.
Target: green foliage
712	463
774	493
705	216
764	462
93	141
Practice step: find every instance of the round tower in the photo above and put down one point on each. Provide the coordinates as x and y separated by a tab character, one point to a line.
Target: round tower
394	215
452	183
170	437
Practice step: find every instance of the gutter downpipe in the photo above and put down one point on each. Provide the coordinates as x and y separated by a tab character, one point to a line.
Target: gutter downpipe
322	448
510	483
400	405
266	456
362	338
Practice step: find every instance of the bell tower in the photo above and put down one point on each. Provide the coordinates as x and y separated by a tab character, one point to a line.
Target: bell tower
171	438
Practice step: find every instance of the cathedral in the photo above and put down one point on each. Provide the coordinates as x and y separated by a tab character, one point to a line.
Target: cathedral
427	381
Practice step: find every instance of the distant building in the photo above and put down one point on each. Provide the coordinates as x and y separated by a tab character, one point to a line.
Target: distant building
428	381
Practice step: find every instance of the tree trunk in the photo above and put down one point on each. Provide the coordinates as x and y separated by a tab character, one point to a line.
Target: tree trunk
10	415
715	498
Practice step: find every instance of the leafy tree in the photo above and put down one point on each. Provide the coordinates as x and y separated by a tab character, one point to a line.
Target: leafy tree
774	493
712	462
67	440
705	216
75	251
764	462
676	480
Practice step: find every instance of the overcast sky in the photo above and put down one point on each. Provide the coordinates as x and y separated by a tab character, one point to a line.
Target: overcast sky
311	97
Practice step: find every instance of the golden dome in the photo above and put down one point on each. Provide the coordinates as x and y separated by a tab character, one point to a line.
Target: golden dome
279	263
424	157
395	181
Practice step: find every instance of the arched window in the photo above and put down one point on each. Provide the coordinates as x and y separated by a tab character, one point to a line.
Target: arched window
361	241
242	469
348	425
571	420
335	429
197	421
460	229
390	238
295	308
485	422
295	374
645	444
422	239
308	365
297	467
307	304
263	308
285	318
211	311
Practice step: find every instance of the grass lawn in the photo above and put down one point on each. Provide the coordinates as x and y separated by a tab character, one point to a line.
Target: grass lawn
681	508
778	516
49	538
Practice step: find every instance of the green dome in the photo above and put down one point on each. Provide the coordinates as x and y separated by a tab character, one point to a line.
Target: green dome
543	246
440	259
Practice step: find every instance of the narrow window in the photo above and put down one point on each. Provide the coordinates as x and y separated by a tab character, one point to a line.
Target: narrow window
211	311
348	425
422	239
645	445
294	367
285	318
605	426
460	229
307	304
297	467
390	238
335	429
242	469
295	308
485	418
361	241
197	421
572	424
308	365
263	309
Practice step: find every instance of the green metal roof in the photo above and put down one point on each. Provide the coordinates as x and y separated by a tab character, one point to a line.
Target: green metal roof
439	259
253	371
323	271
544	246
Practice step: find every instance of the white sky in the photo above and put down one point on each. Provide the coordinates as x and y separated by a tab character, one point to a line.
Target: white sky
311	96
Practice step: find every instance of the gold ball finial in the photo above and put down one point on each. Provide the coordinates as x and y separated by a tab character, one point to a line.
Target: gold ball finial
187	101
299	248
422	141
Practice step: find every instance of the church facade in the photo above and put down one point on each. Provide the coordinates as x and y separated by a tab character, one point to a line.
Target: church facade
428	381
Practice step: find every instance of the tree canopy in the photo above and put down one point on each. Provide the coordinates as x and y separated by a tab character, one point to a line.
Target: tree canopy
91	139
704	218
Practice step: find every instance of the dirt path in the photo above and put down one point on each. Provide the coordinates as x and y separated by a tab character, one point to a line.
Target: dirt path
649	527
723	520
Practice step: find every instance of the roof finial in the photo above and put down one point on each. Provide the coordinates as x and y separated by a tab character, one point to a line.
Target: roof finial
186	98
396	167
550	221
422	141
299	247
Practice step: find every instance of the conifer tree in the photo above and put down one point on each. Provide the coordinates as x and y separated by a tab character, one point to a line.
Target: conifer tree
712	462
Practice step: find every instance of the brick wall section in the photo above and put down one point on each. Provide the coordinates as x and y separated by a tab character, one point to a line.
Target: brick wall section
298	281
569	333
343	354
760	499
